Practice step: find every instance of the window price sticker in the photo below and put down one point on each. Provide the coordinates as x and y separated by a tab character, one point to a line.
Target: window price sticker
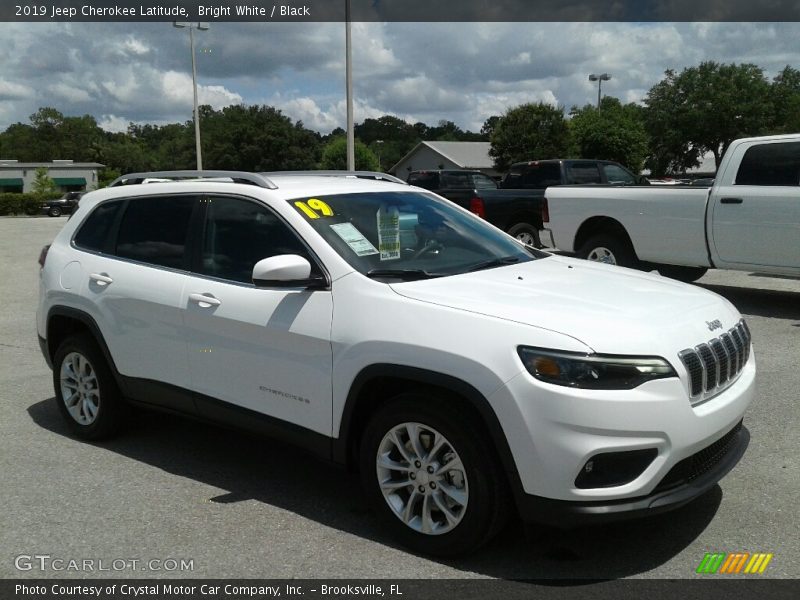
354	238
389	232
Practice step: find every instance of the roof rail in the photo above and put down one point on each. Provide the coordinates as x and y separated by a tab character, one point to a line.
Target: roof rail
237	176
377	175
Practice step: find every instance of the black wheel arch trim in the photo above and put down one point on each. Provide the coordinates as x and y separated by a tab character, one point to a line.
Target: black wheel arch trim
88	321
342	445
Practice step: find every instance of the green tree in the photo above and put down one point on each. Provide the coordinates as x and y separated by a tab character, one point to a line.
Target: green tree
334	156
529	132
42	184
705	108
256	138
785	97
615	132
489	125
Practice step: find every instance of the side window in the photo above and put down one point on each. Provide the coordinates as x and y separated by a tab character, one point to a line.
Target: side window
93	234
239	233
770	164
583	172
616	174
154	230
455	181
482	182
542	175
429	181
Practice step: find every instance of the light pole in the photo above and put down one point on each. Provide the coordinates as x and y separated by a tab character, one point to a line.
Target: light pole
599	79
348	51
378	144
200	27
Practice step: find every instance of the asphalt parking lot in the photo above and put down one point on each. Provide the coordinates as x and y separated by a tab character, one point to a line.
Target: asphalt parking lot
240	507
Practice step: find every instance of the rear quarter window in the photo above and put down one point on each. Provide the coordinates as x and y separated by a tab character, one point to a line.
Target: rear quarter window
96	229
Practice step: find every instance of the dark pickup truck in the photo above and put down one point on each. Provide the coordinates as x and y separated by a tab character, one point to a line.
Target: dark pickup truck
516	204
518	212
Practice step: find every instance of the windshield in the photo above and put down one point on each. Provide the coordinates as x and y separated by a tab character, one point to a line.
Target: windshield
409	235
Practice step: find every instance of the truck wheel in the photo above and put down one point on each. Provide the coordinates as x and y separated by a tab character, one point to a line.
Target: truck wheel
86	392
430	474
685	274
54	211
609	249
525	233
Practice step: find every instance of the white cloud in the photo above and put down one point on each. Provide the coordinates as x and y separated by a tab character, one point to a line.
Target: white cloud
113	123
135	46
464	72
71	93
10	90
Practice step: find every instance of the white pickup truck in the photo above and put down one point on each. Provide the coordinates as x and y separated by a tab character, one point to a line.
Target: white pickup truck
748	220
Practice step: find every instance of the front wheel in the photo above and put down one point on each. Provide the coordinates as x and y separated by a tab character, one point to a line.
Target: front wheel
54	211
430	474
609	249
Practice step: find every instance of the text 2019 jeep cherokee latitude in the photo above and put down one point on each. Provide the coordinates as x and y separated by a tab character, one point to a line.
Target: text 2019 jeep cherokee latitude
380	326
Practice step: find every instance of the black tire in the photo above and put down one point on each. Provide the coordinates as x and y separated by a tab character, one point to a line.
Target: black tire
685	274
610	249
488	496
54	211
110	407
526	233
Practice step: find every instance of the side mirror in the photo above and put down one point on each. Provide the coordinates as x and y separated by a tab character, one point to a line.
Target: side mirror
285	271
642	180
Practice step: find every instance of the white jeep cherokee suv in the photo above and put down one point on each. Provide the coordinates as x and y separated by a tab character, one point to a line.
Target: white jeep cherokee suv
382	327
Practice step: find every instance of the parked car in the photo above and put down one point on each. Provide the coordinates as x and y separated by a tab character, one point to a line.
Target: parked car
62	206
518	212
748	220
464	375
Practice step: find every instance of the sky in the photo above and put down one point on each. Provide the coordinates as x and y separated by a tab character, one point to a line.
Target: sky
462	72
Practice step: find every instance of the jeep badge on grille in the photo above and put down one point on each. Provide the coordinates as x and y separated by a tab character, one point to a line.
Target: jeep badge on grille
715	324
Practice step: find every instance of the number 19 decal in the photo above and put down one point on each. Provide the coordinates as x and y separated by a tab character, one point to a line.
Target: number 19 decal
313	207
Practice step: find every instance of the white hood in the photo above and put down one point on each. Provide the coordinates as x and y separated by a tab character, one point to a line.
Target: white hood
610	309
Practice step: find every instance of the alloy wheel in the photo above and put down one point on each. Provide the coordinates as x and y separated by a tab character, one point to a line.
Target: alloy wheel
422	478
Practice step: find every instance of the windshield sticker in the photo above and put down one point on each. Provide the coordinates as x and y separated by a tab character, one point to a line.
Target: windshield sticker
314	208
355	239
389	232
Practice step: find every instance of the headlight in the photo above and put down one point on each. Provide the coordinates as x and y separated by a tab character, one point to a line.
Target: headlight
593	371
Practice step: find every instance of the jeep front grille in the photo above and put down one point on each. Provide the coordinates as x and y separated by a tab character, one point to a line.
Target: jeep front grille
715	365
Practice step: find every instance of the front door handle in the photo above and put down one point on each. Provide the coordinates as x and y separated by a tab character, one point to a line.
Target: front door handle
101	279
731	201
204	300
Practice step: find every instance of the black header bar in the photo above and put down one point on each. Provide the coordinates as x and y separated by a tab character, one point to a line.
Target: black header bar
402	10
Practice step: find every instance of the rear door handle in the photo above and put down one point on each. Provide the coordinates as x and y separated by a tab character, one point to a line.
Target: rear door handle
731	201
204	300
101	279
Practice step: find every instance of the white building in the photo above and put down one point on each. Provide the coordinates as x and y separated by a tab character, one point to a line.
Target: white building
431	156
68	176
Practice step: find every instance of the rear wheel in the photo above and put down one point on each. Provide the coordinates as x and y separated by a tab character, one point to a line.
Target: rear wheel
609	249
525	233
55	211
86	392
429	472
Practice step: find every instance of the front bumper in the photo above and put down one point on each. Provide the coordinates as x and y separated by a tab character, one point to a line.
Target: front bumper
674	491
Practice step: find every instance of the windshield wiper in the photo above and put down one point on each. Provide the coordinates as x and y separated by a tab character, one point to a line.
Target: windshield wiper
403	273
494	262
